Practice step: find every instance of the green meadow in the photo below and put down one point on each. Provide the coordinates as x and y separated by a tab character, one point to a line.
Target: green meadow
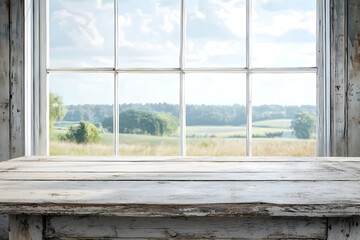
201	141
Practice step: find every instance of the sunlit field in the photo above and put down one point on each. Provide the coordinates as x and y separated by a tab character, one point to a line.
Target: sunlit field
195	147
201	141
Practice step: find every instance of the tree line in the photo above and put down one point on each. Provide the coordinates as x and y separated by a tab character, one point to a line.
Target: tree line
213	115
161	123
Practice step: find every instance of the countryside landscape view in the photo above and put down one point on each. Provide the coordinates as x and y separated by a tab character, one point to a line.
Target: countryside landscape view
152	129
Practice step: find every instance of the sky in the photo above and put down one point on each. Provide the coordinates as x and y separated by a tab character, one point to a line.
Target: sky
82	35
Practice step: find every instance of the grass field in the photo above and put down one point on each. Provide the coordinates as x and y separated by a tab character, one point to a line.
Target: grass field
201	141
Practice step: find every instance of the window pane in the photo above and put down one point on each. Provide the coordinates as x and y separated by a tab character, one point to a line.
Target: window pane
216	32
278	99
284	33
216	114
81	33
80	105
149	33
149	114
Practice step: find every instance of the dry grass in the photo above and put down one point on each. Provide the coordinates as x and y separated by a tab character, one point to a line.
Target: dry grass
195	147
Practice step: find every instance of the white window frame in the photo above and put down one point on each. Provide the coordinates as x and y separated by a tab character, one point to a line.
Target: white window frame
37	102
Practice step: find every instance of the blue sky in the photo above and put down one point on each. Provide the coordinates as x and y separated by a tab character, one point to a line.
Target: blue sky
82	32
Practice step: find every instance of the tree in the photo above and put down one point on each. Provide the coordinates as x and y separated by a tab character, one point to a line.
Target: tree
304	125
84	133
57	109
136	121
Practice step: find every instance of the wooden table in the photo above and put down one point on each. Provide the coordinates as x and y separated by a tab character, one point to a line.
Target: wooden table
181	198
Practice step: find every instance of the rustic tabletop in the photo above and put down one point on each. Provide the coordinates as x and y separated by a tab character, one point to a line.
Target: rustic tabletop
176	186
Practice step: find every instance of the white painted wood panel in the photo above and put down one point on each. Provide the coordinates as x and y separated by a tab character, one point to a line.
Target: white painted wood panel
186	228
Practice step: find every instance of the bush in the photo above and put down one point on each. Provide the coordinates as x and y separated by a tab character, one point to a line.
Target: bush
84	133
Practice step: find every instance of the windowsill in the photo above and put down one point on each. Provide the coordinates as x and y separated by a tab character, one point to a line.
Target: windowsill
175	186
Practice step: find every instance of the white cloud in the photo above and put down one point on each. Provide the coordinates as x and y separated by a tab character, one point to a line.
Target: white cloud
284	54
170	17
232	15
282	23
200	15
80	29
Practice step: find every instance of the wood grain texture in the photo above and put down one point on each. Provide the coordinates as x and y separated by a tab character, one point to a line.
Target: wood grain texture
23	227
17	111
4	81
138	187
339	78
344	228
353	77
185	228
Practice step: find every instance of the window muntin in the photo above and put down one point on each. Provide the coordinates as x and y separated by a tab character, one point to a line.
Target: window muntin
238	59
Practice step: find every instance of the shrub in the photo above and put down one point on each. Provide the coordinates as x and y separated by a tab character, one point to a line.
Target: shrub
83	133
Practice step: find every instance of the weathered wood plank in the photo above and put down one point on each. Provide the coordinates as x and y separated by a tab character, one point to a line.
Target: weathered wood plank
339	80
344	228
23	227
185	228
4	81
198	176
180	159
353	77
144	198
17	110
193	167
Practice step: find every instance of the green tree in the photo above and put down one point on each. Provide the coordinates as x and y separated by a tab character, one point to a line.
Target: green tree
144	122
84	133
57	109
304	125
136	121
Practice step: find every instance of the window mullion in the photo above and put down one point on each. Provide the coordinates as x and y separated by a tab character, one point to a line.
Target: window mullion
248	78
182	107
116	131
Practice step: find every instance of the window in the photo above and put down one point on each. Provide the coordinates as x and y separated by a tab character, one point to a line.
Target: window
181	77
